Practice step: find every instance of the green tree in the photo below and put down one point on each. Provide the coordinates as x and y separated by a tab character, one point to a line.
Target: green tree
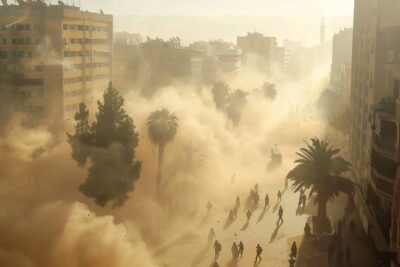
319	168
162	126
269	90
237	101
221	93
109	144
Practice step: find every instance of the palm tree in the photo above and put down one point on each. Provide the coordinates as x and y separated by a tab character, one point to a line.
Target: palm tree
162	126
319	168
237	101
220	93
269	90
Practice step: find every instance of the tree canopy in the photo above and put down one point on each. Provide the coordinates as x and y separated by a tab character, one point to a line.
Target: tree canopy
108	145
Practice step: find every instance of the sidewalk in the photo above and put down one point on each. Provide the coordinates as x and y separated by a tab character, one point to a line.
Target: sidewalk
315	252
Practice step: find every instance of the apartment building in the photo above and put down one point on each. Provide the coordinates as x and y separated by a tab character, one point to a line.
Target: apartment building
375	134
261	50
54	57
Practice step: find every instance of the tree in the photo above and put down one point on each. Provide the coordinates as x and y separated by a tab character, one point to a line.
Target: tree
269	90
221	93
237	101
162	126
319	168
109	145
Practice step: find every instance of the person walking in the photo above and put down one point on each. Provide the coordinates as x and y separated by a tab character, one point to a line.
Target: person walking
279	196
211	235
280	215
248	215
241	248
235	251
266	201
259	251
217	249
293	251
237	205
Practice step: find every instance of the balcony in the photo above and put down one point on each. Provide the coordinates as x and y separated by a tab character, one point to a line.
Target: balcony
384	166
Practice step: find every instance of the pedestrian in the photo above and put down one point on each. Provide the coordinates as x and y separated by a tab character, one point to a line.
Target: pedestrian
256	188
279	196
339	258
293	251
217	249
259	251
348	254
352	226
280	214
235	251
211	235
230	216
241	249
266	201
307	230
248	215
331	249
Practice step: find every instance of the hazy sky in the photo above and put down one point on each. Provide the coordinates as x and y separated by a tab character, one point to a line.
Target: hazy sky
222	7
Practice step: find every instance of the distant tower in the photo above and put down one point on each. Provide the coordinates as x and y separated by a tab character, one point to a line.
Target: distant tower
322	33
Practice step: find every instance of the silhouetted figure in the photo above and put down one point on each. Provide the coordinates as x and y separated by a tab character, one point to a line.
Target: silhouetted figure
256	188
235	251
331	249
211	235
248	215
307	231
279	196
249	200
352	226
300	200
339	258
266	201
293	251
348	254
259	251
280	214
217	249
241	249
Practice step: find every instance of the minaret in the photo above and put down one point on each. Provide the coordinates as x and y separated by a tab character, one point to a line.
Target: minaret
322	33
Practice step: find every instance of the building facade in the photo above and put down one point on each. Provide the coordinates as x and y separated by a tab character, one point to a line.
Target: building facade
375	135
54	57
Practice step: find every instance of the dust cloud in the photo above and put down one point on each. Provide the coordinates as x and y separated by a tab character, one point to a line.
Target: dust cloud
46	222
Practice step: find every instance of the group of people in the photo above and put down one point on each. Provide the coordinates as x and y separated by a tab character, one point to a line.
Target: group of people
237	251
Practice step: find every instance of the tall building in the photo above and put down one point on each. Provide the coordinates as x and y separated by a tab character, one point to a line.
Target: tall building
375	135
340	78
263	50
54	57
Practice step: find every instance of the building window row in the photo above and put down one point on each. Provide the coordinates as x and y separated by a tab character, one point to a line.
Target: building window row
21	68
87	78
19	54
33	108
19	27
86	53
74	93
20	41
73	67
23	95
85	41
78	27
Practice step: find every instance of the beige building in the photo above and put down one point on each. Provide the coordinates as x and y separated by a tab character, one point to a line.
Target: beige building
261	50
375	134
54	57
